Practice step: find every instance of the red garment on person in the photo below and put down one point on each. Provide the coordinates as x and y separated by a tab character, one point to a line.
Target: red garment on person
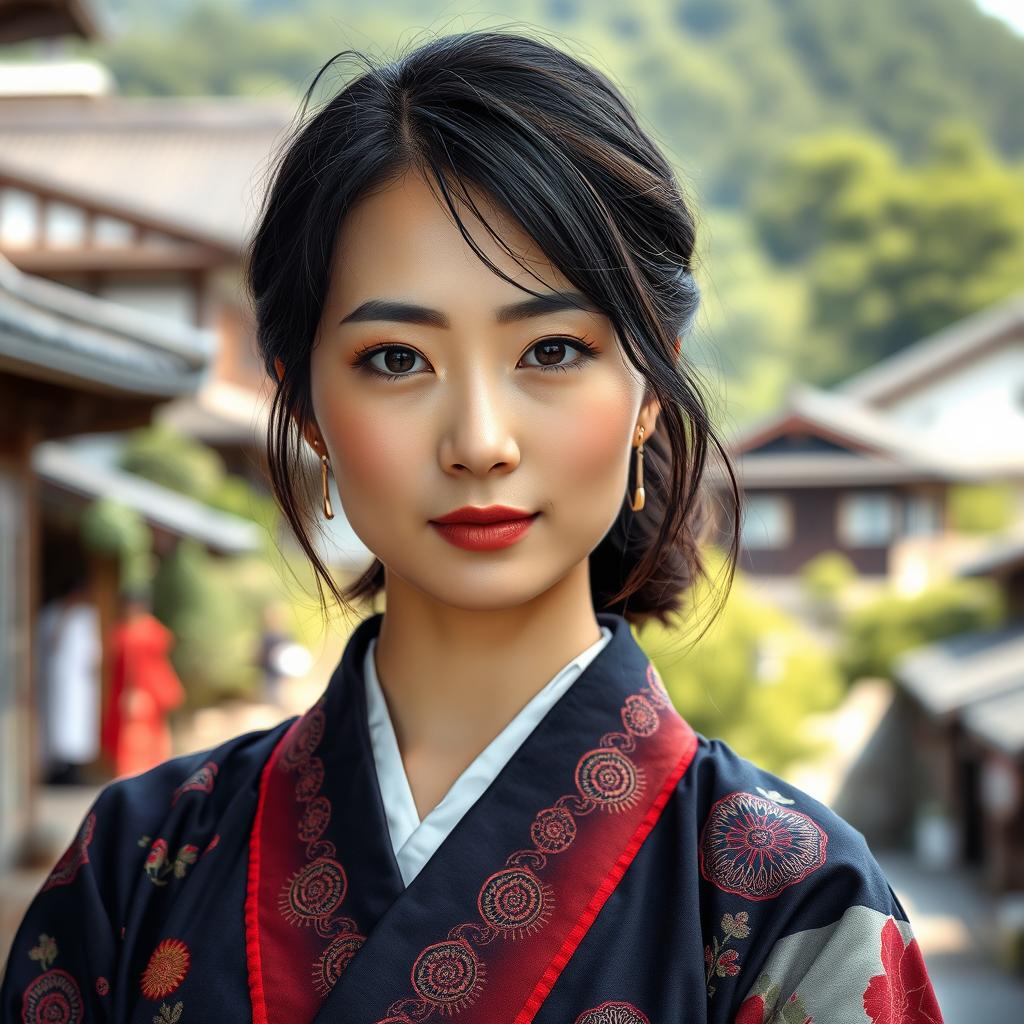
144	689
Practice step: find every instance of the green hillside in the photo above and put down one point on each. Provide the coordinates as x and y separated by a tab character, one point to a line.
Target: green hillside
857	166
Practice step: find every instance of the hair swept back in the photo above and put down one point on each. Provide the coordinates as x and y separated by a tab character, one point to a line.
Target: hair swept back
554	142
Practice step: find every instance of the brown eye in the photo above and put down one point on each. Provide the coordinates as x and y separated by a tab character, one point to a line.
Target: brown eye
551	351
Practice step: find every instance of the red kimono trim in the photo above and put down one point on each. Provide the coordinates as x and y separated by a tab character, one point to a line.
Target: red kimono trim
540	910
307	918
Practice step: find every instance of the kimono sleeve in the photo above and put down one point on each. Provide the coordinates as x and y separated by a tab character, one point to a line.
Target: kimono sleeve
63	958
865	965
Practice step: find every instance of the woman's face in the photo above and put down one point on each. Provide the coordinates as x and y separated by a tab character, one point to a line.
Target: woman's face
455	407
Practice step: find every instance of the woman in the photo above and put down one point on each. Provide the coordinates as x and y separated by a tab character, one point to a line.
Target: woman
144	690
472	275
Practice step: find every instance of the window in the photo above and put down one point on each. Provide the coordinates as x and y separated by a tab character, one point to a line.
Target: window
867	520
65	225
767	522
923	518
19	218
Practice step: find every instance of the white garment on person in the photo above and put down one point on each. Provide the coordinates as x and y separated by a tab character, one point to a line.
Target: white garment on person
73	691
415	841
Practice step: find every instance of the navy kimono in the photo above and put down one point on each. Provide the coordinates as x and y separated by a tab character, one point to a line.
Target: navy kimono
621	869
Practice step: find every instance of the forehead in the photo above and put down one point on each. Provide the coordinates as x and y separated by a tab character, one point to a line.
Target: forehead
402	241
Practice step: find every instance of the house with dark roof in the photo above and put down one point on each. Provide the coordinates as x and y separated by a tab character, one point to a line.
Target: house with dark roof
866	467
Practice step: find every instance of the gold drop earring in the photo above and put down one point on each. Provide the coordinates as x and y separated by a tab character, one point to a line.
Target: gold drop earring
328	511
638	494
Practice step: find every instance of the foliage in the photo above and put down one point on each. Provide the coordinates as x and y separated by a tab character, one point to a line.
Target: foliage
752	678
112	529
981	508
876	634
173	460
215	621
823	579
891	253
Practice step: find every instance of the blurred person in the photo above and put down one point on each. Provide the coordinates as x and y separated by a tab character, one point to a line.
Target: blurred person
69	654
144	689
274	644
472	277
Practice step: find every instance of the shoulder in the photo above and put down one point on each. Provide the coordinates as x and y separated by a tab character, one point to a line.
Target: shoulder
765	840
216	773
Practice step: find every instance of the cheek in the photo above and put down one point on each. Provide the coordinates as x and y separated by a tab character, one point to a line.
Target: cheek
591	441
371	455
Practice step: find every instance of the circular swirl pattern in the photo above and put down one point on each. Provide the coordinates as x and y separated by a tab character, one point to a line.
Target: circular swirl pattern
52	998
305	739
446	973
754	847
613	1013
639	716
657	692
314	892
314	819
607	777
77	854
335	958
311	778
553	830
513	899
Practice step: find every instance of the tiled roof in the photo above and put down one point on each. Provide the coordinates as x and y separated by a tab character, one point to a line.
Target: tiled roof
961	670
53	332
199	162
937	353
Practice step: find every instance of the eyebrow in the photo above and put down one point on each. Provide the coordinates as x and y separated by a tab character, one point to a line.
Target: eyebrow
410	313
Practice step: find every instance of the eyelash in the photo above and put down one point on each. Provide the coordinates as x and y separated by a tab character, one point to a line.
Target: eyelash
585	348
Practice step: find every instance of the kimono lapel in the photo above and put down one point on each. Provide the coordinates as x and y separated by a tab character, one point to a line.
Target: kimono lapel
487	926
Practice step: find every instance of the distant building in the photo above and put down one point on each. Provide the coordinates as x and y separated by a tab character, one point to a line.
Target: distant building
865	468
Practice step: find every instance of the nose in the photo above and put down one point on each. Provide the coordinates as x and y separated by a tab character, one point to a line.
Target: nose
481	435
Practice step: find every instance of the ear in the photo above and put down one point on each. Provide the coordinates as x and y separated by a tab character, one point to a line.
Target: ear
310	431
647	418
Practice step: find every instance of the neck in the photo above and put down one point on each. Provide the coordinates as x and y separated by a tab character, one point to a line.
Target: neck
453	677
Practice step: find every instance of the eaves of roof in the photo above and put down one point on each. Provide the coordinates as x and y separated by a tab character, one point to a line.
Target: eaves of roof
52	332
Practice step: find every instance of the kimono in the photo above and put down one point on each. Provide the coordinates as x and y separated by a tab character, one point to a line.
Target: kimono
144	690
620	869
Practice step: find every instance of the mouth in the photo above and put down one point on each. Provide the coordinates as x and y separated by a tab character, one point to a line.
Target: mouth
487	535
473	516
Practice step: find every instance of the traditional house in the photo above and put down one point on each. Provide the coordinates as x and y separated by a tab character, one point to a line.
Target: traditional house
69	364
865	468
967	718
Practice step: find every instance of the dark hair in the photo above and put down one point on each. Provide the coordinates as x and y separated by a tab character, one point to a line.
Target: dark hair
554	143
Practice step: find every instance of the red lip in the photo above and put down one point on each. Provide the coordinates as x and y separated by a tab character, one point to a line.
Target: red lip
490	514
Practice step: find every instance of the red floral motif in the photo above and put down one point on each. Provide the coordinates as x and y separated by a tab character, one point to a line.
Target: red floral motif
613	1013
751	1012
720	961
102	986
755	848
200	781
52	998
166	970
331	964
211	845
903	994
77	854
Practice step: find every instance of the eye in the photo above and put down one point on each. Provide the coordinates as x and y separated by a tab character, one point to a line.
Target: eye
392	365
399	359
555	348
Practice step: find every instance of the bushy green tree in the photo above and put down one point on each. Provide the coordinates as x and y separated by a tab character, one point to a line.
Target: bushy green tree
876	634
214	621
892	252
751	679
117	531
981	508
173	460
